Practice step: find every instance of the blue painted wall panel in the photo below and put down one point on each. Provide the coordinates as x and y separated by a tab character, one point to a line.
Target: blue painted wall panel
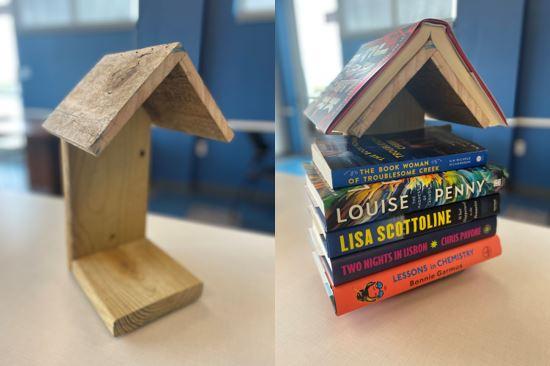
533	169
165	21
494	51
534	81
291	79
238	66
490	34
498	141
350	47
238	63
232	164
57	60
171	155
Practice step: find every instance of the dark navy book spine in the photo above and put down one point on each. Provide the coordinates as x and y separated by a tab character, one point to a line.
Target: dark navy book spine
361	264
408	225
348	177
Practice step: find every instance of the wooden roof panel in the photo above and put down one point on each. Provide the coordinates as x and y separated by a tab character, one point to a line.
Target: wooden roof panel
182	102
99	106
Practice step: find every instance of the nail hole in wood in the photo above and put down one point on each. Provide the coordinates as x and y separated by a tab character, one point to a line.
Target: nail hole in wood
112	237
142	152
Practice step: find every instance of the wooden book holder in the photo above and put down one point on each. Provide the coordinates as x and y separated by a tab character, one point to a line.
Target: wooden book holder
105	128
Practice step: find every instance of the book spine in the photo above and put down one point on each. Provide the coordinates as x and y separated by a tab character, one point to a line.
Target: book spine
408	225
394	281
368	203
354	266
342	178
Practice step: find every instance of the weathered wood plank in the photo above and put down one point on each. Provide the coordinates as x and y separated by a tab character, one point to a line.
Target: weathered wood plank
182	102
108	96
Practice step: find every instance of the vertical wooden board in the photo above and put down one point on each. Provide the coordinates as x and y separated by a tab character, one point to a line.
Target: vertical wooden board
106	196
402	114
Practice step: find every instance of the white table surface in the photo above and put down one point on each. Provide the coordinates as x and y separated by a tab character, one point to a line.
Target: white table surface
45	319
497	313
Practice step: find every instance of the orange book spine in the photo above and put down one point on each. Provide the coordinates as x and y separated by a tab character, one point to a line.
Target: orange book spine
382	285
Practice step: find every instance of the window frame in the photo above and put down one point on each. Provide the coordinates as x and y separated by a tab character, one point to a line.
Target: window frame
243	16
74	23
346	33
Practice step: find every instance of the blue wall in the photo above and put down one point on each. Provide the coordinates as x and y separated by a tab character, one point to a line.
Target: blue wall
57	60
490	33
291	80
238	66
534	81
165	21
532	170
494	51
238	63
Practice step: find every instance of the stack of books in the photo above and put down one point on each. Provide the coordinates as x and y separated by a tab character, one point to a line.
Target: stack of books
392	211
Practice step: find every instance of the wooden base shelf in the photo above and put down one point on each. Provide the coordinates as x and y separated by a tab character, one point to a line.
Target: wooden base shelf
134	284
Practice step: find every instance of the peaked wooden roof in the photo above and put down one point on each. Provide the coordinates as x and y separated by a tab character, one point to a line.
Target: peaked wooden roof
161	79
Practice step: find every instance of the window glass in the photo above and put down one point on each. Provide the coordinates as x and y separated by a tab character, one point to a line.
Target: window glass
36	14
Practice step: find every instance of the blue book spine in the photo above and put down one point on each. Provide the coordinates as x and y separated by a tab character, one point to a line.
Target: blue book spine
396	170
350	267
407	225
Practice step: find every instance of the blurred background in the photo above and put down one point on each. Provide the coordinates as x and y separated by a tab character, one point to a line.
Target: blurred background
506	41
47	46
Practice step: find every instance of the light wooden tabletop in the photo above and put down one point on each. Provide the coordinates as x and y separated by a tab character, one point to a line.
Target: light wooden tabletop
497	313
45	319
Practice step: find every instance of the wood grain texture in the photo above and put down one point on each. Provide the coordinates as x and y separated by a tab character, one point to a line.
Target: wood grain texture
108	96
106	196
134	284
182	102
128	280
